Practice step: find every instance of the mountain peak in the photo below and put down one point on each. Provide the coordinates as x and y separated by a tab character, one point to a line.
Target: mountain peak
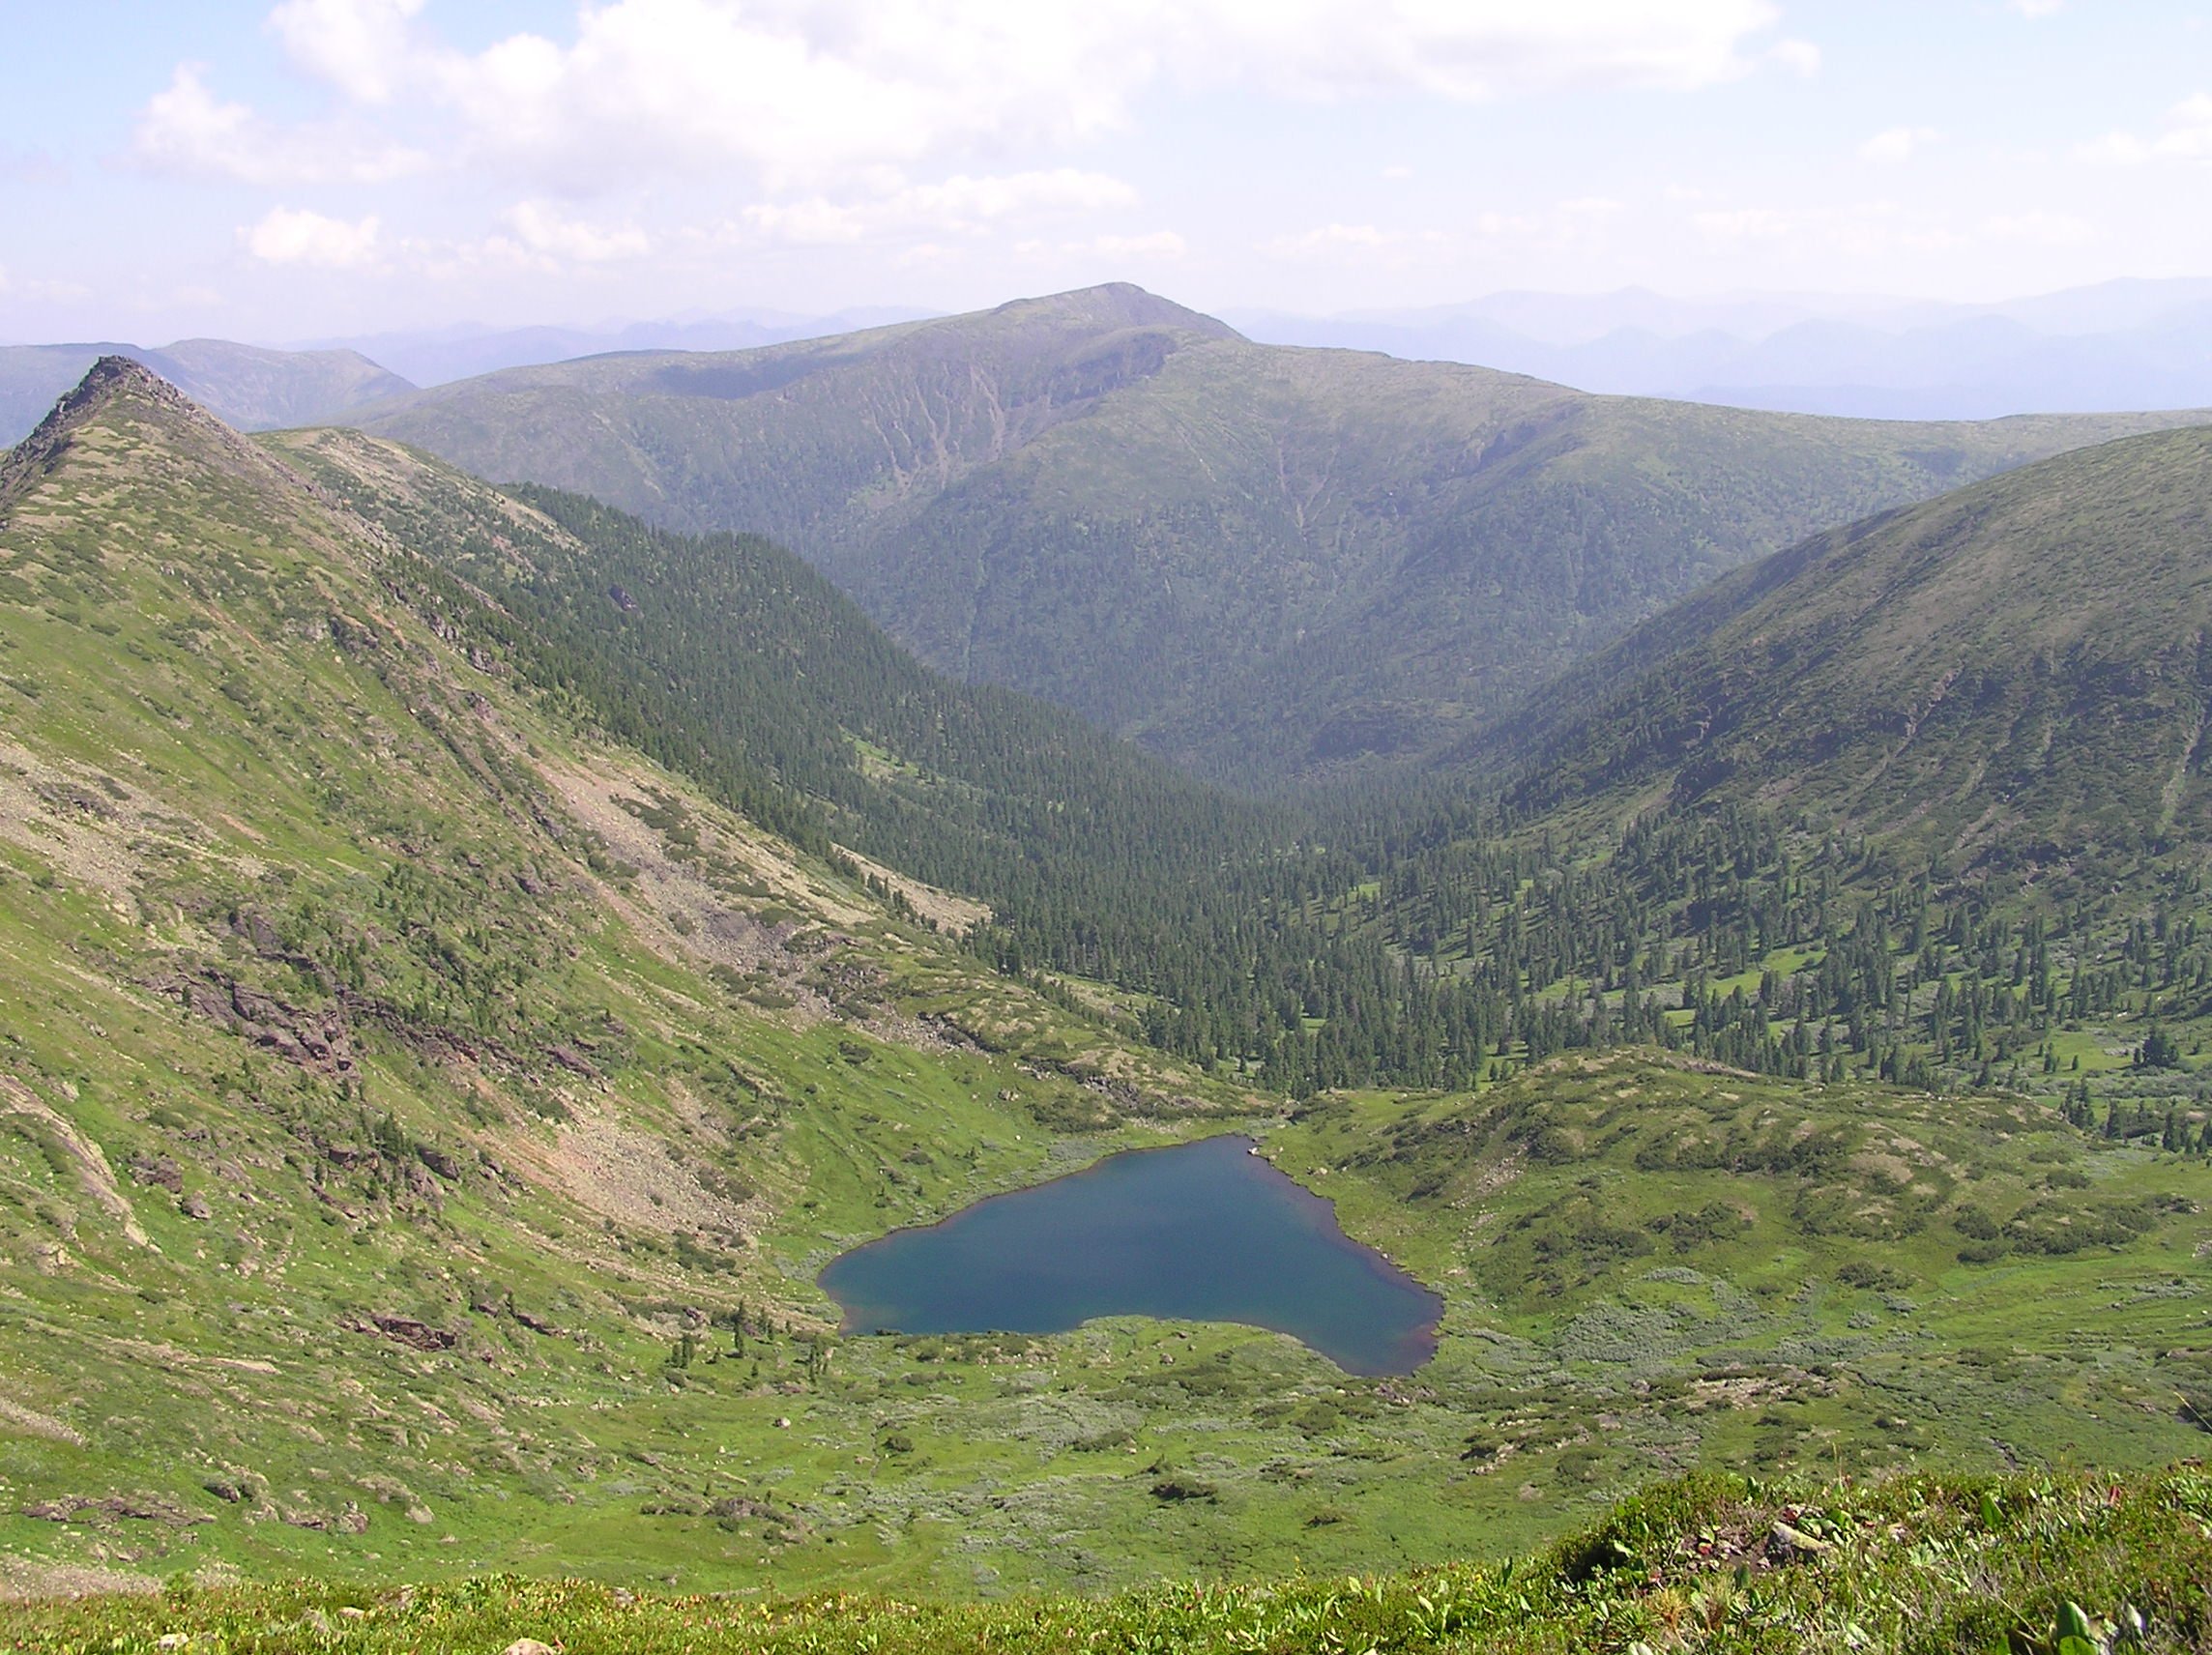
1116	305
112	380
108	378
117	391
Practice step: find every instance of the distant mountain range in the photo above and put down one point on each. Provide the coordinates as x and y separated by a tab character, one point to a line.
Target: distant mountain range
249	386
435	356
1268	563
2119	345
252	387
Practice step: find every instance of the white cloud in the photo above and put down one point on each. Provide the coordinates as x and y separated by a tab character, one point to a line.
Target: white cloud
959	205
961	199
1328	240
296	236
1158	244
1859	229
1742	224
2036	7
1896	144
2045	228
1800	56
1360	245
2187	135
545	231
811	224
362	47
808	94
55	292
1397	172
186	129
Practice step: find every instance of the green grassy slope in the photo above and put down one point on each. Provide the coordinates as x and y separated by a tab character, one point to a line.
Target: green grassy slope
347	980
2071	1565
1264	561
2016	669
422	1120
249	386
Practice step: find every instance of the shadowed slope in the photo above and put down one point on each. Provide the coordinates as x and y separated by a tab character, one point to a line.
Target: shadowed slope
2019	663
1264	561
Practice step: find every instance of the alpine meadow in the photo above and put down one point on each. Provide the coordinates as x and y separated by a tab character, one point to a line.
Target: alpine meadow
1029	972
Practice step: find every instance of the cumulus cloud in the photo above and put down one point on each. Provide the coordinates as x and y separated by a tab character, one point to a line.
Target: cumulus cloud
187	128
2044	228
1326	240
1801	56
1896	144
2186	134
545	231
1858	229
59	292
1156	245
1354	244
362	47
810	93
964	200
296	236
961	204
1735	224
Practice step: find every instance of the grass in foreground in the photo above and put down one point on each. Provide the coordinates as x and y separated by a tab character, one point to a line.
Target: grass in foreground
2069	1567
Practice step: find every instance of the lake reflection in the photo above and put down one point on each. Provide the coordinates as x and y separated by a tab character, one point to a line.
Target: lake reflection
1202	1232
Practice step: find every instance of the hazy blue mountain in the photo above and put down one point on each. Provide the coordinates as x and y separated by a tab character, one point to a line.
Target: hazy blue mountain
441	354
1261	561
249	386
2117	345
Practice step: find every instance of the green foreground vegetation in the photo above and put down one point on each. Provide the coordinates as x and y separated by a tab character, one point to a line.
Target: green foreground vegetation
424	1115
2055	1567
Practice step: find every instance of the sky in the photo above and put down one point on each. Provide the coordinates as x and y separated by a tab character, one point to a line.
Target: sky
323	167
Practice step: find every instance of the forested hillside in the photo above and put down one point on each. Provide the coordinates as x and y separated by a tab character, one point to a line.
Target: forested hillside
2011	672
1264	562
1925	795
1419	938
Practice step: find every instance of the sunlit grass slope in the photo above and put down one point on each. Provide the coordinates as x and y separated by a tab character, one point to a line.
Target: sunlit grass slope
2066	1565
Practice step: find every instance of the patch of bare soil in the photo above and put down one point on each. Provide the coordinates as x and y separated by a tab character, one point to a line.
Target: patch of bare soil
958	915
629	1175
25	1580
678	910
94	1173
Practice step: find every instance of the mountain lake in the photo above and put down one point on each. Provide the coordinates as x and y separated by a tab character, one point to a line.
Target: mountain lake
1203	1232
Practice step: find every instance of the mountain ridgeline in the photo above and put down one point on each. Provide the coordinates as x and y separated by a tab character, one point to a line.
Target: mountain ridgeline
1264	562
2012	673
247	386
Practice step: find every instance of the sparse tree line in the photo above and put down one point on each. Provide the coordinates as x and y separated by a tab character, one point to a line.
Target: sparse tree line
1412	938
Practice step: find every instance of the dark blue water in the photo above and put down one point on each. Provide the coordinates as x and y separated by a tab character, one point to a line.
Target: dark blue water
1202	1231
